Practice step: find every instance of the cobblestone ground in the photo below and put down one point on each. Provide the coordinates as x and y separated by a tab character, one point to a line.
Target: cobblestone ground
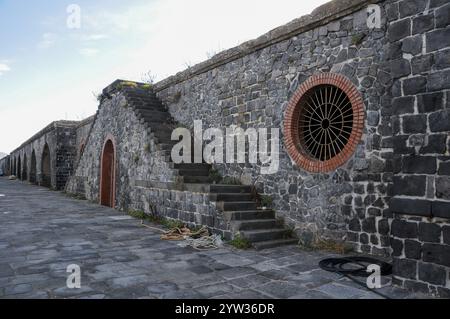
42	232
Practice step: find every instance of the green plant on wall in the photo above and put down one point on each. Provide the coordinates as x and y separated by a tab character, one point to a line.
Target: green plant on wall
147	87
229	180
214	176
265	201
136	158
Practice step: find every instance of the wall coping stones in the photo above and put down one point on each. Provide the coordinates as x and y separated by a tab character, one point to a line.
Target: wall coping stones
322	15
86	121
52	126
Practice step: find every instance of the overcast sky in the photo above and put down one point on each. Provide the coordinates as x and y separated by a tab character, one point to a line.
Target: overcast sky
50	72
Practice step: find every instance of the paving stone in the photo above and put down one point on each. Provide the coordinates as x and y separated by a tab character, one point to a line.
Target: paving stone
135	263
338	291
281	290
17	289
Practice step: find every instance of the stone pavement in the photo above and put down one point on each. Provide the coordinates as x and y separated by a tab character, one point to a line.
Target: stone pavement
42	232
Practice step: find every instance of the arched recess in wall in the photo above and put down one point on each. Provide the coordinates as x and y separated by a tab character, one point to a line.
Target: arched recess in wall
108	174
19	168
33	168
46	172
324	122
25	168
14	170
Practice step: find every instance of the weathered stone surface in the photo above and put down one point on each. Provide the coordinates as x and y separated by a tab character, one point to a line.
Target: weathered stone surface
422	63
435	144
430	102
404	229
409	185
405	268
399	30
403	105
440	121
419	164
429	233
443	187
423	23
446	234
400	68
412	45
414	124
368	225
413	249
438	39
443	16
444	168
432	274
442	60
435	253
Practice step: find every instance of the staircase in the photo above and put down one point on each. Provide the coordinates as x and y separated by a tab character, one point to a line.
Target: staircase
237	202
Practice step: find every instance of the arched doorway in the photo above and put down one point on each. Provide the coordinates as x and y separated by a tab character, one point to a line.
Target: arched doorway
33	168
108	176
25	168
46	172
19	168
14	171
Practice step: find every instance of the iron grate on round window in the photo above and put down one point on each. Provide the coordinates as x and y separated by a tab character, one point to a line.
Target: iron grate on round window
325	122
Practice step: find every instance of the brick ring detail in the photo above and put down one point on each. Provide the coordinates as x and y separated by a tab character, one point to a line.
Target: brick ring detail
324	122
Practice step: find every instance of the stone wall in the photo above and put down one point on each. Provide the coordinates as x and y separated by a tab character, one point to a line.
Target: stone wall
419	37
5	166
254	90
60	139
402	71
145	179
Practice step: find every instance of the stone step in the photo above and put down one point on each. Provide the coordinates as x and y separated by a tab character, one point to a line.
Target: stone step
193	172
249	215
155	117
196	179
264	234
255	224
219	188
231	197
237	206
140	105
161	127
274	243
140	93
165	147
155	113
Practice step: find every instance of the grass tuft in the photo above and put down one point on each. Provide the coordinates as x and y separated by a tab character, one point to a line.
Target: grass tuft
240	243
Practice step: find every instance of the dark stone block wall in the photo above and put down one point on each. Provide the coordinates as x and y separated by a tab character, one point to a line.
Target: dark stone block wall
419	39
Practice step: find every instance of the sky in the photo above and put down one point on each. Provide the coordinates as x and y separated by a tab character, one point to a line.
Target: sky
52	67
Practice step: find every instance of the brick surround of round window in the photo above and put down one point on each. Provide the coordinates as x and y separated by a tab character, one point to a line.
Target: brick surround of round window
297	125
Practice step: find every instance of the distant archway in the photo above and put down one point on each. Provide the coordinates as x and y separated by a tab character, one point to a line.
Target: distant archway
19	168
33	168
108	175
46	172
25	168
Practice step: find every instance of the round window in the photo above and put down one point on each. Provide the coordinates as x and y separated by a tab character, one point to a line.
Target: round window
324	122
